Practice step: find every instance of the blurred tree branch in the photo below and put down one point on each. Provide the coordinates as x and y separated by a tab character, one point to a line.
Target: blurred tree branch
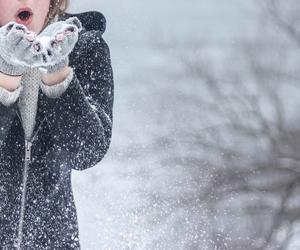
253	149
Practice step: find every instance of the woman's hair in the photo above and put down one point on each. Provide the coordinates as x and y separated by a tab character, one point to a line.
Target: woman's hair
56	7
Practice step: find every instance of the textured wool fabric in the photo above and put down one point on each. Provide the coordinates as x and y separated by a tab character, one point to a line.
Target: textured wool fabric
8	97
28	101
56	90
56	57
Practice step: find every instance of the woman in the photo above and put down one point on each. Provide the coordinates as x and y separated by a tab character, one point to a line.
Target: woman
55	116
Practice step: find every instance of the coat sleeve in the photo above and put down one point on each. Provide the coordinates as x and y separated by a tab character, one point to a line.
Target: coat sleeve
80	120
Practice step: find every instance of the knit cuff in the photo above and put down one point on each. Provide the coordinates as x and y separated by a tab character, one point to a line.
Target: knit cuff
9	97
9	69
56	90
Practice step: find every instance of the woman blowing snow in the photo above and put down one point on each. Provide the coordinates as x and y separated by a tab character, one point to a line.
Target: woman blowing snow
56	102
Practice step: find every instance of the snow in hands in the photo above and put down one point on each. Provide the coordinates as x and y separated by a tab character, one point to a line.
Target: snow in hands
48	48
56	41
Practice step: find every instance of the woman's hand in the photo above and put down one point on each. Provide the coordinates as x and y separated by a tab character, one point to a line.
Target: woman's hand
56	77
16	52
55	43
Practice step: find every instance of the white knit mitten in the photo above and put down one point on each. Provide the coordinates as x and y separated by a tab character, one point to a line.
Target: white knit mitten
54	44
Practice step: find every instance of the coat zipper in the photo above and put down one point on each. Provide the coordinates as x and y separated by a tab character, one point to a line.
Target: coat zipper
28	145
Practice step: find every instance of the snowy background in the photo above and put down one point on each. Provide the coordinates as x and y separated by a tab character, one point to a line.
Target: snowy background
205	105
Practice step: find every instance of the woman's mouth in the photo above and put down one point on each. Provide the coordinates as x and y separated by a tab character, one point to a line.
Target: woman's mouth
24	16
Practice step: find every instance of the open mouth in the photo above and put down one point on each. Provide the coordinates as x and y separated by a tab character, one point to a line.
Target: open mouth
24	15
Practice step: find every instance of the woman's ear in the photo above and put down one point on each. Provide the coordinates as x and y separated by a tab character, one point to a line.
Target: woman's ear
75	21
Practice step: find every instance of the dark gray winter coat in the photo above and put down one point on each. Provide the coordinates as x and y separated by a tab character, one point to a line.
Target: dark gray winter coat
71	132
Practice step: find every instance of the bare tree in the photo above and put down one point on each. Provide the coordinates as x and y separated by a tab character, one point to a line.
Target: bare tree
251	141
